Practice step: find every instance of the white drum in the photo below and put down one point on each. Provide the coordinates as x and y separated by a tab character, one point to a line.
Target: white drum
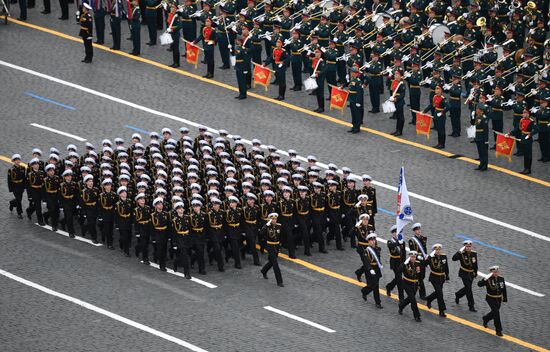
310	84
437	31
166	39
471	131
388	107
233	60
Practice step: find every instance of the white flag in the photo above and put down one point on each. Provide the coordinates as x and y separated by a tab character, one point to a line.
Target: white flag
404	210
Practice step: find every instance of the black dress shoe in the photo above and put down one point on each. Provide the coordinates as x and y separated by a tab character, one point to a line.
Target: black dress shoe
417	319
400	311
484	323
388	292
162	269
323	251
319	110
113	48
264	274
71	235
20	216
98	42
355	131
187	276
45	12
412	123
499	333
224	67
132	53
280	284
364	296
238	266
241	98
63	18
21	18
358	277
279	98
526	172
429	304
202	272
472	309
379	306
298	89
150	43
130	38
442	314
169	49
493	147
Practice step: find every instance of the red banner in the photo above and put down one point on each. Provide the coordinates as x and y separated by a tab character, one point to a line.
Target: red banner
192	53
423	123
505	146
262	76
338	98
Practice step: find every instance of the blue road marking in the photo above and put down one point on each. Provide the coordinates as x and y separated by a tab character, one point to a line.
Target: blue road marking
32	95
463	236
137	129
386	211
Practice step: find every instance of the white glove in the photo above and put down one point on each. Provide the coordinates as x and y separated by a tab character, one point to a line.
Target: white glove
347	78
524	65
229	47
78	13
429	64
367	65
532	31
447	68
268	223
287	41
343	216
407	74
473	114
352	40
462	249
175	248
512	87
371	45
432	254
420	257
489	97
389	70
371	272
465	15
439	114
428	81
510	102
400	241
469	74
334	39
446	86
534	109
298	26
405	58
533	91
280	65
358	105
392	99
323	49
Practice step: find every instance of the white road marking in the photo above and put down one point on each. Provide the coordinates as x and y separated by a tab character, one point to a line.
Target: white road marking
80	139
297	318
508	283
194	279
66	234
102	311
323	165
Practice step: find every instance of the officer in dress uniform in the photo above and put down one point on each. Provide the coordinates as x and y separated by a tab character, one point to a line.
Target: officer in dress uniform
439	273
142	226
86	32
373	270
106	212
439	107
543	123
89	204
360	231
123	219
419	243
51	195
135	28
174	28
455	92
397	251
411	269
356	102
181	238
35	190
374	70
69	193
160	220
117	12
397	91
496	294
524	132
468	272
151	18
272	233
295	46
208	37
17	179
242	66
319	73
481	121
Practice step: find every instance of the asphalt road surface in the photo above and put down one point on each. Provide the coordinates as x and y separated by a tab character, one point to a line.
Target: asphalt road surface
58	294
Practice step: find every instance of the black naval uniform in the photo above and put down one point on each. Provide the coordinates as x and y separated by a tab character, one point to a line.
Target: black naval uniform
198	224
17	177
183	241
439	274
496	294
251	219
272	233
161	223
287	221
397	256
89	203
51	188
35	193
124	223
373	273
106	218
216	234
410	285
467	272
69	193
86	33
413	245
304	222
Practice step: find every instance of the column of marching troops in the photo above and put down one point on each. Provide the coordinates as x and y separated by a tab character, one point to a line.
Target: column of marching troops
194	196
490	55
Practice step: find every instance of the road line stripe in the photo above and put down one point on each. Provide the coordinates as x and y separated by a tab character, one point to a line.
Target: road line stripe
191	123
32	95
464	237
285	104
297	318
194	279
509	284
66	234
137	129
80	139
102	311
423	307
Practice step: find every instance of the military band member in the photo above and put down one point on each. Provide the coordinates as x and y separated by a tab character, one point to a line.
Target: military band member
481	121
135	27
525	131
208	38
319	73
117	13
468	272
439	273
397	91
496	295
279	59
17	179
397	253
356	102
373	270
419	243
271	231
151	19
411	269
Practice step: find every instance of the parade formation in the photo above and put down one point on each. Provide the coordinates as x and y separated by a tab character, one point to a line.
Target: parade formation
190	200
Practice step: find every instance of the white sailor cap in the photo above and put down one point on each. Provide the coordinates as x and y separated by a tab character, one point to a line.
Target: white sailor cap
195	186
82	169
297	177
393	228
136	136
364	216
208	134
179	205
157	201
223	132
282	180
105	166
332	167
230	169
229	189
69	163
119	140
121	189
88	178
54	156
162	173
219	145
273	215
166	130
371	236
86	5
36	151
303	188
330	173
106	181
287	189
265	181
160	164
494	268
177	189
89	146
233	199
160	183
67	173
124	166
313	174
251	195
140	196
256	141
271	148
366	177
346	170
106	142
465	242
177	179
350	179
413	253
265	175
184	130
49	167
317	185
246	185
160	191
107	173
437	245
176	199
269	193
73	155
196	203
89	161
145	177
15	157
237	137
124	177
214	182
72	147
416	225
362	196
311	158
332	183
231	180
141	185
107	150
122	155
